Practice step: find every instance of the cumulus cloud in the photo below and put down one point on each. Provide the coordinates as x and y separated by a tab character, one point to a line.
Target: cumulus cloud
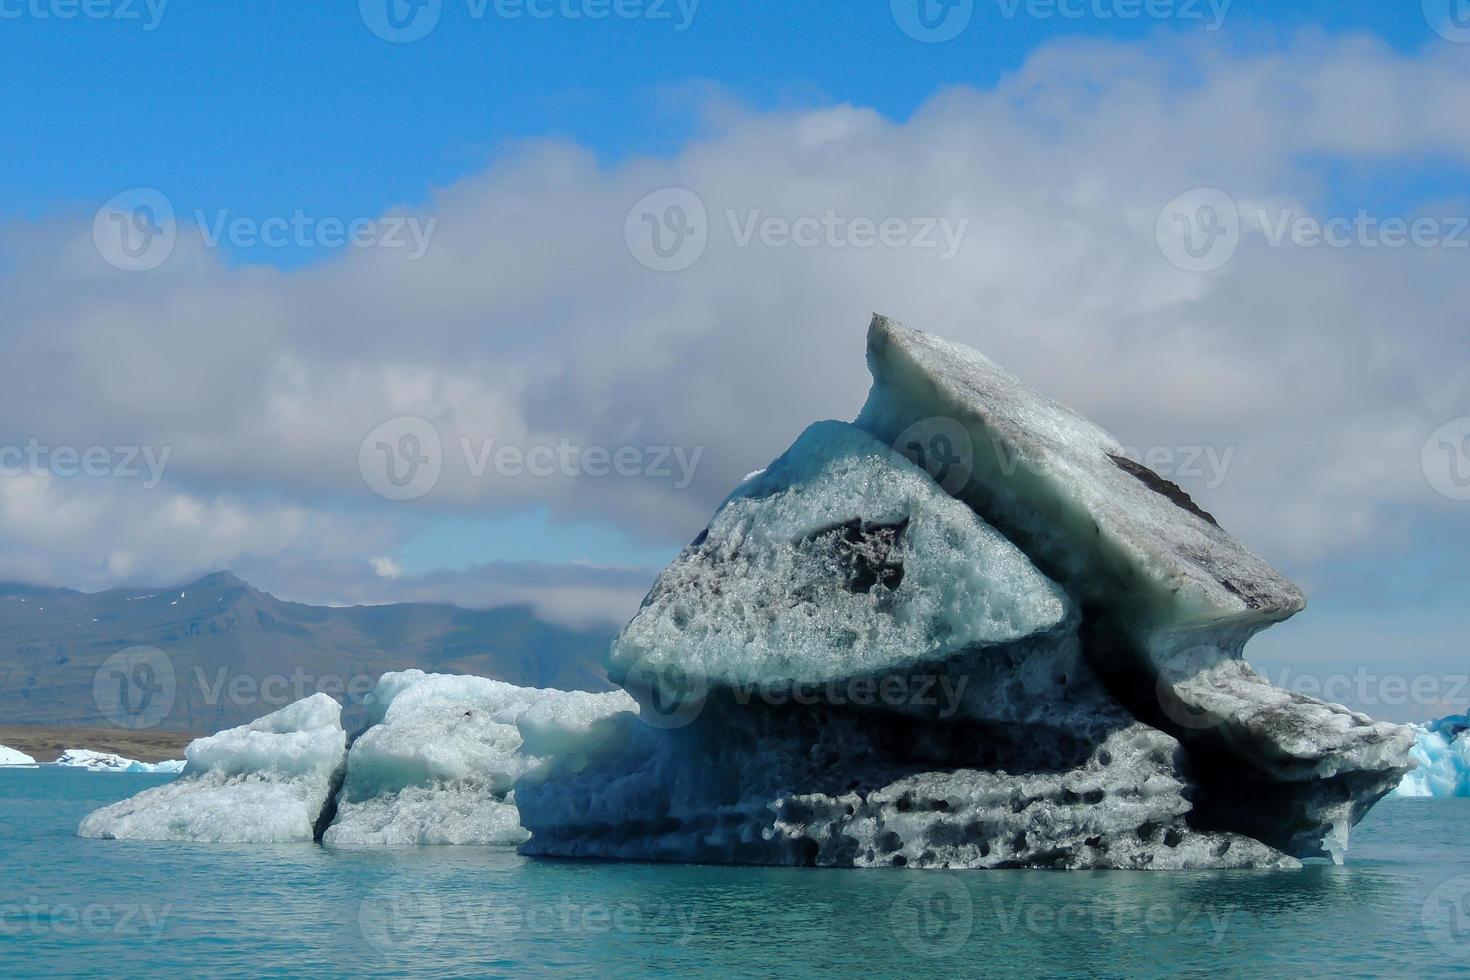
530	322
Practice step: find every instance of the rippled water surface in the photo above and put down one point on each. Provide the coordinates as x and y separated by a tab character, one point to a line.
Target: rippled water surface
70	907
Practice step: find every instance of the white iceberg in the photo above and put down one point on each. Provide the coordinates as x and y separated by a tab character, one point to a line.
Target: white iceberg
265	782
1441	755
108	762
14	757
439	764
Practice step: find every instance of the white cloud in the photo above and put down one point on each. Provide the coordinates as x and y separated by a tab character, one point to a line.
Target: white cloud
528	321
386	567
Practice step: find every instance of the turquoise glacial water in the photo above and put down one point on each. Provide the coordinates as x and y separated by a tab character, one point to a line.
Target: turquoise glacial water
74	907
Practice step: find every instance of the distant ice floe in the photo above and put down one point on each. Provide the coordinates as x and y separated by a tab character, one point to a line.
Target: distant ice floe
108	762
1441	753
12	757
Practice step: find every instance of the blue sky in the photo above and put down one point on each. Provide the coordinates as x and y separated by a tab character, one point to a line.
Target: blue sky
264	108
1055	130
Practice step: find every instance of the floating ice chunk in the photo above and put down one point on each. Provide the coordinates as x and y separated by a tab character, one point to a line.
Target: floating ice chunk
840	559
1441	755
14	757
108	762
439	765
268	781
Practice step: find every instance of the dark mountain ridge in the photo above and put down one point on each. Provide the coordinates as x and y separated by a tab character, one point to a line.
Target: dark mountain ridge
236	653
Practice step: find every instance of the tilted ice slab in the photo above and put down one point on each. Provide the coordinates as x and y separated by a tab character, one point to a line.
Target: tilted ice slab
109	762
14	757
439	762
1441	757
1171	597
1110	529
265	782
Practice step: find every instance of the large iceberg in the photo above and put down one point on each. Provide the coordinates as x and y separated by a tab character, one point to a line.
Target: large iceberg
965	631
441	757
265	782
14	757
1441	757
